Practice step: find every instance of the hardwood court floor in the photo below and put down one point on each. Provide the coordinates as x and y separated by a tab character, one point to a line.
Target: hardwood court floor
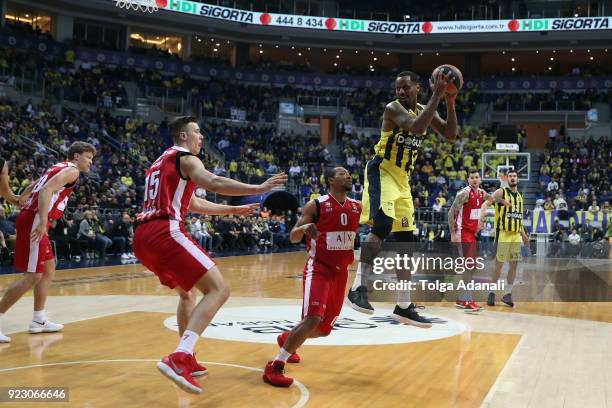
537	355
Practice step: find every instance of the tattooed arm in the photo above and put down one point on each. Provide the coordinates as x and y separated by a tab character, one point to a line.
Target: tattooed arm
461	198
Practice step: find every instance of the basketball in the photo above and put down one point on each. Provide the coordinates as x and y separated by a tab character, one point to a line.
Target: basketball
457	80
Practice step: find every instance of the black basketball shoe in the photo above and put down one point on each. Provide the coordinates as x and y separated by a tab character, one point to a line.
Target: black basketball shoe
491	299
410	316
507	299
358	299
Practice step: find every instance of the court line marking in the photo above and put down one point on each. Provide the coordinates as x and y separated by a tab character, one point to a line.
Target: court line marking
304	393
496	385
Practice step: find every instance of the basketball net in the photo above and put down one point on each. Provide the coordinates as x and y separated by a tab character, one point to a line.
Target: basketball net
502	175
146	6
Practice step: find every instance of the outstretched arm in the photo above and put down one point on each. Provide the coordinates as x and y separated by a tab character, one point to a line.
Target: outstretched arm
497	196
202	206
192	168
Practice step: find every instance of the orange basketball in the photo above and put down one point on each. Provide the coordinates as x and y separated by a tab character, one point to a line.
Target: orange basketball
457	77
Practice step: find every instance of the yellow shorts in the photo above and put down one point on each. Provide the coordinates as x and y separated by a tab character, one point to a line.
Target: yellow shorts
508	246
386	187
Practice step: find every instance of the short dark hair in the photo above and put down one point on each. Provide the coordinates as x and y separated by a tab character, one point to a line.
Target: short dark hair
80	148
511	171
413	77
178	125
473	170
329	174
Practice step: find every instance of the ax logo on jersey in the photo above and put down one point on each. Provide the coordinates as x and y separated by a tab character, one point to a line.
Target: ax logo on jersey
261	324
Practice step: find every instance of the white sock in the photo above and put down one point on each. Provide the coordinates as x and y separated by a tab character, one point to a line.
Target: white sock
403	298
39	316
357	281
283	355
187	343
509	287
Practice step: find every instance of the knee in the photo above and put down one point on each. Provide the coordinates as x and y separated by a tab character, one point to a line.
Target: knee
189	296
32	279
224	292
312	322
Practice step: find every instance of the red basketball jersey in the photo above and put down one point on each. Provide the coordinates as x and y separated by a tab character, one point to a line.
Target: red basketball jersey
337	225
166	192
59	199
467	217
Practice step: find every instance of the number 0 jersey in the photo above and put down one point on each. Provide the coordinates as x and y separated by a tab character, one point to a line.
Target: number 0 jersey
166	193
400	147
337	224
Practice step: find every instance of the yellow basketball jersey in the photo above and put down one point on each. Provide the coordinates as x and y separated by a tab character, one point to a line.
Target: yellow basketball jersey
510	218
399	146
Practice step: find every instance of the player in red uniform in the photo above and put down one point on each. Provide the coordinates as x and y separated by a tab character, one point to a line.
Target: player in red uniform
163	246
330	223
463	219
33	253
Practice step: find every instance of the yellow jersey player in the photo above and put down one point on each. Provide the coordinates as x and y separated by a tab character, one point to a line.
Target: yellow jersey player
509	233
387	199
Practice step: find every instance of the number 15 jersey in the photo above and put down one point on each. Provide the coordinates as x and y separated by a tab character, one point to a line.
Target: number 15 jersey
337	224
166	192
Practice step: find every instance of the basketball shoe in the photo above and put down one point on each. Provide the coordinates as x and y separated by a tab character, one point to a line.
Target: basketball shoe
281	339
274	374
410	316
198	369
45	327
507	299
358	300
468	306
177	367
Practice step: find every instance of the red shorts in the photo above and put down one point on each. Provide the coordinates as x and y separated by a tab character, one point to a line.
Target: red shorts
30	256
324	291
166	249
469	247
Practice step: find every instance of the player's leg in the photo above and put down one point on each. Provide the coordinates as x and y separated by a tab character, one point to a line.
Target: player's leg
185	307
14	292
372	212
507	298
317	282
40	323
496	275
468	251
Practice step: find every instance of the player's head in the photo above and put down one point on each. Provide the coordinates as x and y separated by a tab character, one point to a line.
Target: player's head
512	178
82	154
474	178
407	86
185	132
339	180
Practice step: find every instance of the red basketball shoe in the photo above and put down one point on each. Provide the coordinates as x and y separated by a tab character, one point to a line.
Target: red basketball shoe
468	306
274	374
197	369
281	339
178	367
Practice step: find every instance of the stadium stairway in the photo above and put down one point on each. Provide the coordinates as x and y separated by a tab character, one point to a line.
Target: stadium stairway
531	188
479	117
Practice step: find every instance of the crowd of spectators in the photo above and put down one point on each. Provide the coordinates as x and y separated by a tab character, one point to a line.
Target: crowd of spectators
576	174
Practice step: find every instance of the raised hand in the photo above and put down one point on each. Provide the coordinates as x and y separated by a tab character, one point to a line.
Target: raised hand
438	84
